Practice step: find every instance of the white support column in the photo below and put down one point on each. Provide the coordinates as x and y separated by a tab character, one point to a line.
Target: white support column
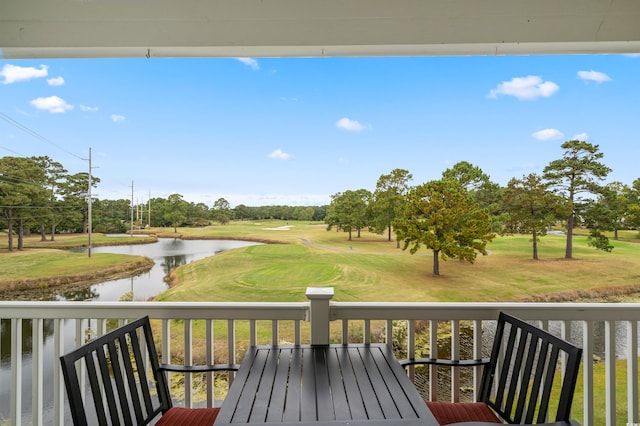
319	298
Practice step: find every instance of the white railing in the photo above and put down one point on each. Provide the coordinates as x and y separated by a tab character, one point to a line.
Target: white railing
227	328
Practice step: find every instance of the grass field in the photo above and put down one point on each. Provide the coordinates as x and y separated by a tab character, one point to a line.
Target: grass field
371	268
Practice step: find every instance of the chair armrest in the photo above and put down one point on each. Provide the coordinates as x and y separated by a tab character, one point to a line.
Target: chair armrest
446	362
199	368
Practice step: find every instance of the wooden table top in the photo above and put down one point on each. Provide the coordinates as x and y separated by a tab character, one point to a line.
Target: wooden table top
332	385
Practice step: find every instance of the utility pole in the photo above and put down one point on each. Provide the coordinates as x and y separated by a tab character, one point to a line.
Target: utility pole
132	208
89	202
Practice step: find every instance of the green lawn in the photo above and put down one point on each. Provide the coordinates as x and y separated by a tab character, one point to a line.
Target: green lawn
367	268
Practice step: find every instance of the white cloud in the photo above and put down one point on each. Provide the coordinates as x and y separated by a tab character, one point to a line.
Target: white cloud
117	118
530	87
250	62
548	135
581	137
52	104
597	76
13	73
56	81
350	125
88	108
278	154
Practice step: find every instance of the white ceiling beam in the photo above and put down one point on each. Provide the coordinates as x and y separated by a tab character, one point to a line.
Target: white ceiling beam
278	28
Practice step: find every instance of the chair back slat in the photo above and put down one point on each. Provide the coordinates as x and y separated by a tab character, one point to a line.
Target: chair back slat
542	348
515	386
527	381
116	377
136	345
94	383
551	367
131	370
120	406
523	377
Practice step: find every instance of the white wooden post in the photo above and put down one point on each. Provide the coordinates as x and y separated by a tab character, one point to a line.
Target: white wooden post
319	315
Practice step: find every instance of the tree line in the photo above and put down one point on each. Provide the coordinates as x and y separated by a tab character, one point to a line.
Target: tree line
455	216
39	196
459	214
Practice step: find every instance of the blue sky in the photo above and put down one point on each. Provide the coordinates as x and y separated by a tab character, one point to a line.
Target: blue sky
263	131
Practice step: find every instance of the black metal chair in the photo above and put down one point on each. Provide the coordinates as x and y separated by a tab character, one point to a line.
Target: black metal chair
128	384
518	379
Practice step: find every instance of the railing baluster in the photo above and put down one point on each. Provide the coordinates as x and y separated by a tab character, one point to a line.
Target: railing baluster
166	341
253	332
37	356
477	354
81	368
297	332
58	382
16	371
455	354
209	350
231	345
433	353
389	334
411	346
632	372
367	331
188	360
275	338
587	363
345	331
610	372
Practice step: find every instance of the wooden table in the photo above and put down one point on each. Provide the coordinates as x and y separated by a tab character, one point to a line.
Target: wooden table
323	385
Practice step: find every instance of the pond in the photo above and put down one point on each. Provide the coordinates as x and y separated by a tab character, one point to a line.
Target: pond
167	253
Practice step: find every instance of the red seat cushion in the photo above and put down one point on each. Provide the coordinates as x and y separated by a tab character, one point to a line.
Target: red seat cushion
454	412
189	416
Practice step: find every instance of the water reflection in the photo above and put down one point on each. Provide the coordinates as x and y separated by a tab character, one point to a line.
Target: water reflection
171	262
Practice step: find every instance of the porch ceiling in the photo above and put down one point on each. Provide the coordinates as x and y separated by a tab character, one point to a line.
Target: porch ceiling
278	28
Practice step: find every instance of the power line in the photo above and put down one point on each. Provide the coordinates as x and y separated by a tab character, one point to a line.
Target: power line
35	134
12	151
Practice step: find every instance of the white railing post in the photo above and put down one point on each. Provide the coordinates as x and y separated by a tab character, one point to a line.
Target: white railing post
319	313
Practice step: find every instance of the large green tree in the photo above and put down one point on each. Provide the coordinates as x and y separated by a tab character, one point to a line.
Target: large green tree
579	171
442	216
607	213
221	211
177	212
387	199
486	193
632	218
532	208
348	211
53	209
22	193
